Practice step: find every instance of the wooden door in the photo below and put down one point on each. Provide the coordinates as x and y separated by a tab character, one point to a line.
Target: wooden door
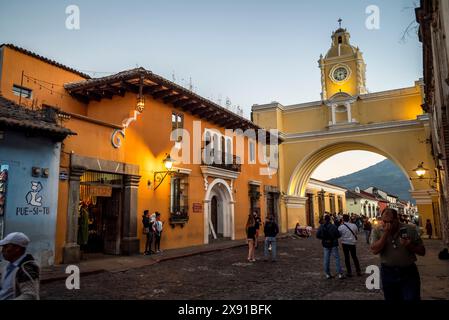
112	209
214	213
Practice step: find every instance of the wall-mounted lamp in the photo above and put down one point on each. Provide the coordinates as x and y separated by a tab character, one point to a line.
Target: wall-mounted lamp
159	176
420	171
140	105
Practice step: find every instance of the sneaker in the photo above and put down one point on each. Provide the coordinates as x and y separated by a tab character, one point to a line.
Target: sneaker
341	276
328	276
253	260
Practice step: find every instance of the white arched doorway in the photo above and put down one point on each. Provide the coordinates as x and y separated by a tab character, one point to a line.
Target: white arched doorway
218	211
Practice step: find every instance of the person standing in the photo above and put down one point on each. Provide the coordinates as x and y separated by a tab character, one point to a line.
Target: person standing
20	278
251	236
270	230
429	228
157	227
367	227
348	232
257	225
328	234
398	244
148	231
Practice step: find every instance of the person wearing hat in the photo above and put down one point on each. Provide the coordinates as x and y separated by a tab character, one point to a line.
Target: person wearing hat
20	278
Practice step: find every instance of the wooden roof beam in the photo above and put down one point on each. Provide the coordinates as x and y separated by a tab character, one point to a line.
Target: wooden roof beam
162	94
173	98
130	87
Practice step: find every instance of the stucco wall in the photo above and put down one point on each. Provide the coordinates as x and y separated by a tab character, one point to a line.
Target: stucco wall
26	211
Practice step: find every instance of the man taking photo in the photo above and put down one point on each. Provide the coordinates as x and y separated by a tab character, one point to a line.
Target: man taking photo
398	244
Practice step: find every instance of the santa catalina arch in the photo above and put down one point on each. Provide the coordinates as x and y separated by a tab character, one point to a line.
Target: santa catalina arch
348	117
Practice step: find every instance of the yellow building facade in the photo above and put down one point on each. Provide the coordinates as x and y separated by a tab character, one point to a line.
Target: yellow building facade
390	123
322	197
113	169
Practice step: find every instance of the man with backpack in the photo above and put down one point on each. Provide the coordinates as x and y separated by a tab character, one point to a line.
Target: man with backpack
270	230
328	234
348	232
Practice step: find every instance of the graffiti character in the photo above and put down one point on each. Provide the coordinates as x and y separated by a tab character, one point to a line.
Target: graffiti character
32	196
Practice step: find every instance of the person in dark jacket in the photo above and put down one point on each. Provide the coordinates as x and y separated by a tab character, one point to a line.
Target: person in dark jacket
20	277
148	231
429	228
328	234
270	230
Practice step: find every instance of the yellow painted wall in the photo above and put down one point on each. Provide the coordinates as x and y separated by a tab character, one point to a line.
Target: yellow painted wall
146	143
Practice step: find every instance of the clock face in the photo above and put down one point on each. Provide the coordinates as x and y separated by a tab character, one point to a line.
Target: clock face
340	74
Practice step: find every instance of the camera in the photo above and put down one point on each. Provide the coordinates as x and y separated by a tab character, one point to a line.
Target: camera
403	233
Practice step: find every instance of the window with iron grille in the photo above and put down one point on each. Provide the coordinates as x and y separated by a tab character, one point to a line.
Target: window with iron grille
179	201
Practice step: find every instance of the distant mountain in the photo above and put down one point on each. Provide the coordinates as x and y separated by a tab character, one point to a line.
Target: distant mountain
385	175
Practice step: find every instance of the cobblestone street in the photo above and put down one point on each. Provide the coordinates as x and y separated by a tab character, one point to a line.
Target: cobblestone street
226	275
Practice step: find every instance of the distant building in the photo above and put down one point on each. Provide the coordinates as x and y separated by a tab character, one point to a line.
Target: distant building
323	197
362	203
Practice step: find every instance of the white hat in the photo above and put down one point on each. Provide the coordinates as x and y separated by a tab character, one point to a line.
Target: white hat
17	238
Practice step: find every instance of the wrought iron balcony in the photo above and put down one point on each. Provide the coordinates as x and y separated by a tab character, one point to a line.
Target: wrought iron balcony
220	159
179	216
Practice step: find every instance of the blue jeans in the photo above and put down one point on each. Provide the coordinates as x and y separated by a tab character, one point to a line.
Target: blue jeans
401	283
327	254
269	240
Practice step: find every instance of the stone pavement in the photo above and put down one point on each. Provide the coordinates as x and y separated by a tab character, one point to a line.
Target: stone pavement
107	263
220	272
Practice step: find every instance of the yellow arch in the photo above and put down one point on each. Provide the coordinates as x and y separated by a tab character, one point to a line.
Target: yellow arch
304	170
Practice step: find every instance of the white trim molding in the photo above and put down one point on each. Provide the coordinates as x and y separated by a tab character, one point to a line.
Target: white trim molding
209	171
294	201
424	196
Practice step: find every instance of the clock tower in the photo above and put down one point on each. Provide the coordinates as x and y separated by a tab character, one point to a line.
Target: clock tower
343	68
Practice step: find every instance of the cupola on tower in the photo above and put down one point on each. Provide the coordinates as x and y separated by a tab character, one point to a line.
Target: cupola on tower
343	68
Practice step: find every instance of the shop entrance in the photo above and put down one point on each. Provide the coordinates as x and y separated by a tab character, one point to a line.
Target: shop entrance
100	213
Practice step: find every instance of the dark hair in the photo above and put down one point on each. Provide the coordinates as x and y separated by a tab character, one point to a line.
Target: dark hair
327	218
145	212
392	211
346	217
157	214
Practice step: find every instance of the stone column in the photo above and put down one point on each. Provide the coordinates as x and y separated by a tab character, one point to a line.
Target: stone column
71	251
348	110
130	244
334	121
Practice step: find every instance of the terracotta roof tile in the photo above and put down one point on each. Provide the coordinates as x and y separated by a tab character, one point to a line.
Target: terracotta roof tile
16	117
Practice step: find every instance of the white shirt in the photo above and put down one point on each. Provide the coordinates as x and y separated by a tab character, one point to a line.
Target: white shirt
346	235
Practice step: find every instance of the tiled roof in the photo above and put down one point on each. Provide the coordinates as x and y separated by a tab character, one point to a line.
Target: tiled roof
15	117
49	61
159	88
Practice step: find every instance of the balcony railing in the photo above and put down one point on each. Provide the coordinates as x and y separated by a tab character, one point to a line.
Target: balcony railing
180	215
220	159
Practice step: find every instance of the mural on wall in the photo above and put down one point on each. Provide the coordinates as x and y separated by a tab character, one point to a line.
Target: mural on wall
32	197
34	200
3	181
3	185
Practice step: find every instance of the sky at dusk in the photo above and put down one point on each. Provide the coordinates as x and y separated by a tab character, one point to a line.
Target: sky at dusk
250	51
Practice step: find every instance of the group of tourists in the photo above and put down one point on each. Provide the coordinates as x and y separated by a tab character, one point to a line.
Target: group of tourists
396	242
